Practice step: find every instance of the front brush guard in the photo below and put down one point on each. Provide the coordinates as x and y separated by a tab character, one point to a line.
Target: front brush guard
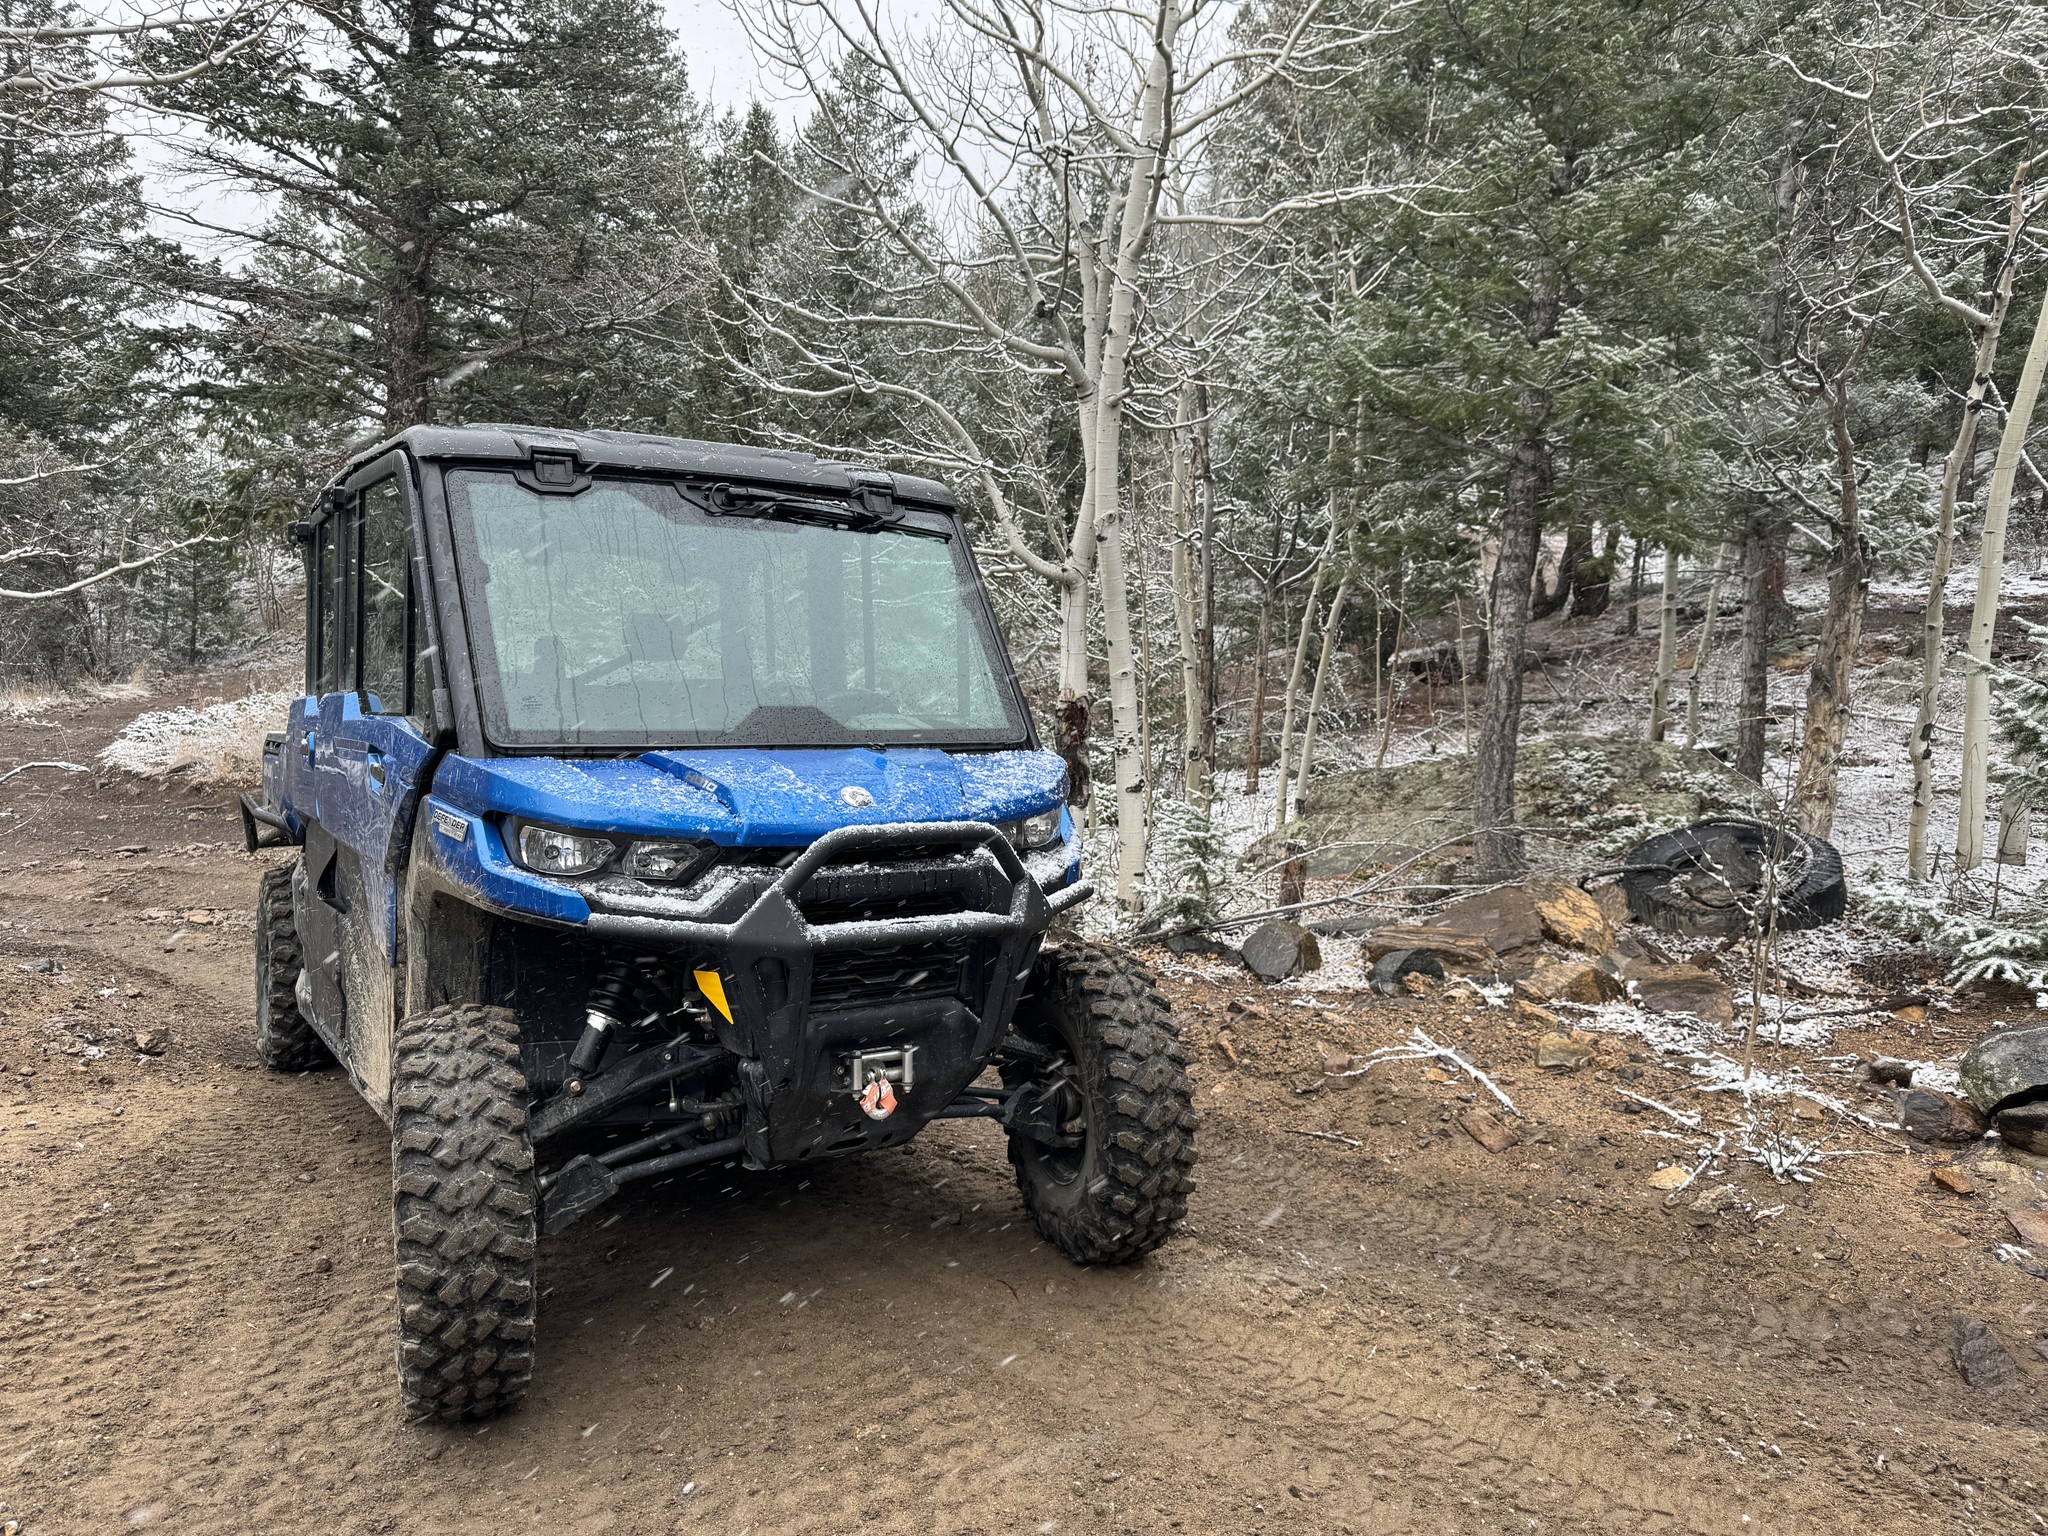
767	957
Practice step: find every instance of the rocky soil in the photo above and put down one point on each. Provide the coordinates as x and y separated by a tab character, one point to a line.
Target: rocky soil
1371	1324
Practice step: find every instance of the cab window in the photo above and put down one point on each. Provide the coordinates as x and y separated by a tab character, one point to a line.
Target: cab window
387	641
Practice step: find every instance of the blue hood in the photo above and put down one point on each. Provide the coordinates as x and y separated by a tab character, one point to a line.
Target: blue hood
756	797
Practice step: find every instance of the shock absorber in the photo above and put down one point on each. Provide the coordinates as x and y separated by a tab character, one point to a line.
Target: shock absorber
609	1005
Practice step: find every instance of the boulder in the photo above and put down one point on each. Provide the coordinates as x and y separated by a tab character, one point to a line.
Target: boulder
1506	919
1682	989
1568	981
2025	1127
1929	1116
2005	1065
1390	970
1561	1053
1278	949
1457	951
1571	917
1199	944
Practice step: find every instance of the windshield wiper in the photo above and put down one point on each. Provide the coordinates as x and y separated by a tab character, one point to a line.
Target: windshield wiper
870	514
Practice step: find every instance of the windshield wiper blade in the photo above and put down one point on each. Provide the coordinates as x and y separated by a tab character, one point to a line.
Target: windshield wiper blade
871	513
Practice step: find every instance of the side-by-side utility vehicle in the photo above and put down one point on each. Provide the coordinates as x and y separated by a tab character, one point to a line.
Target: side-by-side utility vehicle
661	803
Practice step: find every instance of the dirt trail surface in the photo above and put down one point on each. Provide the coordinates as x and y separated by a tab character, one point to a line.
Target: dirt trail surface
1409	1334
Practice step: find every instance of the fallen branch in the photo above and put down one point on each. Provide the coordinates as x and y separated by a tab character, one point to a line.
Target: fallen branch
1690	1122
1327	1136
24	768
1419	1047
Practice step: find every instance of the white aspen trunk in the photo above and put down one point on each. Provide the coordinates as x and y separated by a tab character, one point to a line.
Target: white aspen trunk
1934	613
1704	649
1308	621
1315	695
1984	615
1134	229
1667	648
1186	594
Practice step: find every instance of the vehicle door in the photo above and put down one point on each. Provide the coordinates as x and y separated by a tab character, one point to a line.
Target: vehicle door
374	749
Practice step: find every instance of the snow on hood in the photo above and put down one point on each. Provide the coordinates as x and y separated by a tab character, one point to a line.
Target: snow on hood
757	797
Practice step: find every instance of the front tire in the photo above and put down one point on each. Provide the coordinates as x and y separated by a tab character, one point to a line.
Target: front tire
1122	1079
465	1210
285	1042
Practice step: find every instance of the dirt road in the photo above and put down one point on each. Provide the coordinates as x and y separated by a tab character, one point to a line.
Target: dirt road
1410	1334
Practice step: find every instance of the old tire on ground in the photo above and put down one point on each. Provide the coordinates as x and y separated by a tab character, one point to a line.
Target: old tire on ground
465	1212
1671	882
284	1040
1123	1074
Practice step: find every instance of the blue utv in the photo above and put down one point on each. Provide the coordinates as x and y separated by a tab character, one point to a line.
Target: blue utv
659	803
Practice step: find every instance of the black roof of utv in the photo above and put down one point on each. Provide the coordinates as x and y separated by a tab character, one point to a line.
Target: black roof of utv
644	452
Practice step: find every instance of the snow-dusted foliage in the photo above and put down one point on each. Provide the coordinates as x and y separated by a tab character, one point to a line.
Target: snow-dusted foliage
1189	865
218	742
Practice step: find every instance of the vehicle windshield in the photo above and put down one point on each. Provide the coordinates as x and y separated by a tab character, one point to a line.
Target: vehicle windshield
630	615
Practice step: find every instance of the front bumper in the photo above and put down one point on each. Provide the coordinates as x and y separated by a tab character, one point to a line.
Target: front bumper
915	938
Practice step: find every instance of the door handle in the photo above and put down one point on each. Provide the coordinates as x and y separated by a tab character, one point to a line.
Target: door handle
376	762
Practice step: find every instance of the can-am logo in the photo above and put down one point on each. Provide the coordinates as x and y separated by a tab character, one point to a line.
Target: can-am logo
857	797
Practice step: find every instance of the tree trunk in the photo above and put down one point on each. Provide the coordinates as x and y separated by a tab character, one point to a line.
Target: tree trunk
1205	610
1704	649
1632	620
1497	841
1293	690
1827	688
1315	696
1920	744
1984	615
1187	590
1753	712
1134	228
1257	727
1667	648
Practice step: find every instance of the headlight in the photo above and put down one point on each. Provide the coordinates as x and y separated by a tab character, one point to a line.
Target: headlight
667	861
549	852
1035	832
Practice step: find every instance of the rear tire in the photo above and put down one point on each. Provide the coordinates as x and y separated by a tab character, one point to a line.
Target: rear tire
284	1040
465	1210
1124	1190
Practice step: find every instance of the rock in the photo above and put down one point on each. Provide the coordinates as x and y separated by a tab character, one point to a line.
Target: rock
1460	952
2032	1227
1561	1053
1199	944
1568	981
1929	1116
2025	1127
1504	919
199	917
1719	1198
1682	989
1673	1177
153	1042
1896	1074
1980	1359
2003	1065
1278	949
1485	1129
43	965
1955	1181
1613	903
1538	1015
1349	926
1571	917
1396	965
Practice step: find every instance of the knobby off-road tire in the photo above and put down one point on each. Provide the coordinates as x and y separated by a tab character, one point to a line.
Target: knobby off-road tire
284	1040
465	1210
1124	1191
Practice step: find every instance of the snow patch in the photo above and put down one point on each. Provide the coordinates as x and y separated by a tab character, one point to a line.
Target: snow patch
217	742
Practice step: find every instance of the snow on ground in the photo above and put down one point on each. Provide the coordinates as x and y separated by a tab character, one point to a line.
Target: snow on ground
214	742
